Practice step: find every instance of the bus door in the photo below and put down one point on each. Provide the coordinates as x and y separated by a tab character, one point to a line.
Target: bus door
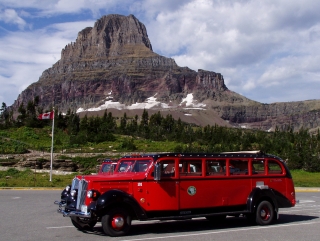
215	183
163	194
238	185
192	190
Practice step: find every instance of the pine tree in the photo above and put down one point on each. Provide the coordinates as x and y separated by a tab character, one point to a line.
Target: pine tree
133	126
155	127
4	116
123	124
144	124
22	115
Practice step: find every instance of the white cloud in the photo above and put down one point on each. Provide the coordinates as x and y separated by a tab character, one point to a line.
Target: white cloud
39	46
27	54
260	43
255	45
249	85
57	7
10	16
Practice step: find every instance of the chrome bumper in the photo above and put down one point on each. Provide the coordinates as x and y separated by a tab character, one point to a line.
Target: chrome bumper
74	214
71	213
61	204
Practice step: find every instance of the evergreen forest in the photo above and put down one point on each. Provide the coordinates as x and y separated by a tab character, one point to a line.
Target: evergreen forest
300	149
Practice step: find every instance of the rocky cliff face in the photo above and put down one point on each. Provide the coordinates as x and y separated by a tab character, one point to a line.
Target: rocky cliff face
115	56
300	114
114	61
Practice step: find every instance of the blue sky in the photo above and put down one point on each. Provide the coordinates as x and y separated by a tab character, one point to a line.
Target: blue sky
267	50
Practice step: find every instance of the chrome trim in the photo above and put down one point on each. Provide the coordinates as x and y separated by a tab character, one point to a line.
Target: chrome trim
82	193
75	183
74	214
118	222
61	204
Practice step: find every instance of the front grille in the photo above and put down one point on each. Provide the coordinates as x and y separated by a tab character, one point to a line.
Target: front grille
75	183
82	192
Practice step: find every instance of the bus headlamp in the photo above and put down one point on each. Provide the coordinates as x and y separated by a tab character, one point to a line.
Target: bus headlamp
68	188
73	193
93	194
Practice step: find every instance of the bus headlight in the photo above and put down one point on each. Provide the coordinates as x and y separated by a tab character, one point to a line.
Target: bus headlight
68	188
73	193
93	194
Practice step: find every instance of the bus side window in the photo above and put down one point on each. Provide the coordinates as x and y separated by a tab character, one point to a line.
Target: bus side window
195	166
190	167
258	167
106	167
125	166
140	166
215	167
168	169
238	167
274	167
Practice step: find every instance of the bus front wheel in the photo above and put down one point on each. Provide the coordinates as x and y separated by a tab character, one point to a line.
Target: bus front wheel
83	224
116	222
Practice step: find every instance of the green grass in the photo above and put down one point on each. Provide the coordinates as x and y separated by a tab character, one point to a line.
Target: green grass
35	138
154	146
27	178
16	140
40	139
305	179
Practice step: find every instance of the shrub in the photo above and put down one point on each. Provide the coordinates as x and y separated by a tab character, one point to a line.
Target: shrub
128	144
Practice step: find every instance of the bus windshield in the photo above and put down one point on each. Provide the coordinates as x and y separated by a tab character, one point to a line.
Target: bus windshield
133	165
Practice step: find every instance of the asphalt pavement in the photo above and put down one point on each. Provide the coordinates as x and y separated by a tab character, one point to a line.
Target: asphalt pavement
30	215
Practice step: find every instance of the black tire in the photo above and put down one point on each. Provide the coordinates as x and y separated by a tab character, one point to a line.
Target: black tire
116	222
83	224
265	213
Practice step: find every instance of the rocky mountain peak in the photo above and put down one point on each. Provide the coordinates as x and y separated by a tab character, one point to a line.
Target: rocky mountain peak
112	66
115	56
112	36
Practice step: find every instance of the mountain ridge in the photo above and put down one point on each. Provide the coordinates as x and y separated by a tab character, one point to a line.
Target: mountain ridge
113	62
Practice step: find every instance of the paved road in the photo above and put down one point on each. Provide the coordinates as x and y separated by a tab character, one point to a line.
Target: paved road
31	215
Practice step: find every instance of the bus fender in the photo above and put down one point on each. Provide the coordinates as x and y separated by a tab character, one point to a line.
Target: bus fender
113	198
257	195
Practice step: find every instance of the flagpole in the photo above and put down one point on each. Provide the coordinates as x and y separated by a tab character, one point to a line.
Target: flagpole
52	146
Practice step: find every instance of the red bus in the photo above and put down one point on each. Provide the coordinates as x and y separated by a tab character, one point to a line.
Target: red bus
167	186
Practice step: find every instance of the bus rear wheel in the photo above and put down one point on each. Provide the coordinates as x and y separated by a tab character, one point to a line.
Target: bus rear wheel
116	222
264	213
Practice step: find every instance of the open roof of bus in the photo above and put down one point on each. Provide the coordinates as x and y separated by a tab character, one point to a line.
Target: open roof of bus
243	152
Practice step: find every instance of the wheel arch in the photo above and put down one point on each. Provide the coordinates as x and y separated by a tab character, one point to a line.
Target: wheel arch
118	198
257	195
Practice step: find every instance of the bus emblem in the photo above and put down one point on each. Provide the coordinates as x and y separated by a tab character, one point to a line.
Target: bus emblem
192	190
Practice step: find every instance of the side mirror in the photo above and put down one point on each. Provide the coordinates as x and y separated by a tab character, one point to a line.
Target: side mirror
157	172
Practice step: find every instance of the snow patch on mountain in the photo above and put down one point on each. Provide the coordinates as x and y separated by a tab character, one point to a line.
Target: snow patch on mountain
150	103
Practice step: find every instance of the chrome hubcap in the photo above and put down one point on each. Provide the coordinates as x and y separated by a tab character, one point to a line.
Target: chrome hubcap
118	222
263	213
